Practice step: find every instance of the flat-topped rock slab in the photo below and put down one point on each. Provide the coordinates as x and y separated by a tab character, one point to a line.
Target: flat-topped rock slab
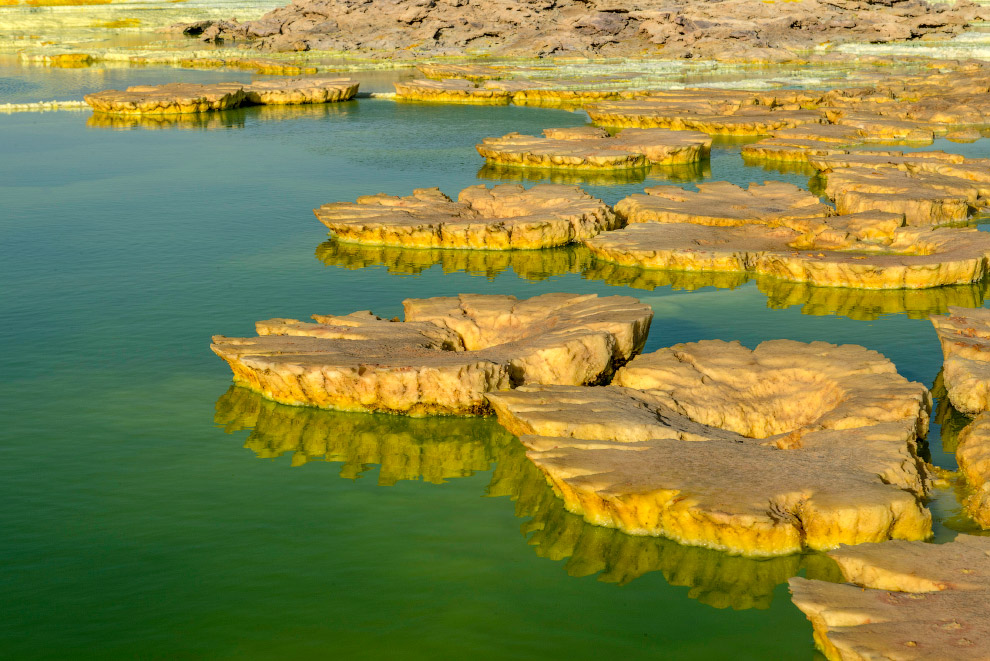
185	98
903	600
758	452
443	358
871	250
965	337
451	91
593	148
722	203
503	217
973	456
716	115
929	188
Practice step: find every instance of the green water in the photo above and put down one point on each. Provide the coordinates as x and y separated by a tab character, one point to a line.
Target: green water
150	511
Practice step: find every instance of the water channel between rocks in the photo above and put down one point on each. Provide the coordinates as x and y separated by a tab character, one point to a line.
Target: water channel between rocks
152	511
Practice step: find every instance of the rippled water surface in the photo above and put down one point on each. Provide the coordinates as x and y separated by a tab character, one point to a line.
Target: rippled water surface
151	511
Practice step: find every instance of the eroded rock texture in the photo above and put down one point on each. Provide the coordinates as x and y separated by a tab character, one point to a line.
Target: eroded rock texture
905	600
723	204
870	250
186	98
973	455
593	149
443	358
965	338
729	29
759	452
929	188
499	218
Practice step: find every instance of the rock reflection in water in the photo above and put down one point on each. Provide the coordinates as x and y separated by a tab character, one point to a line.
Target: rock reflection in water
858	304
217	120
869	304
527	264
657	173
780	167
429	449
438	449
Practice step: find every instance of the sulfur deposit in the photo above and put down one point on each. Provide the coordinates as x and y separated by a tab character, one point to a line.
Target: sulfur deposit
903	600
973	455
758	452
965	338
451	91
592	148
185	98
699	115
499	218
870	250
721	203
443	358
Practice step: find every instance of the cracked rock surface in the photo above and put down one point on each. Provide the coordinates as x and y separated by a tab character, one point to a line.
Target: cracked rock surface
740	29
443	358
903	600
758	452
503	217
965	337
592	148
185	98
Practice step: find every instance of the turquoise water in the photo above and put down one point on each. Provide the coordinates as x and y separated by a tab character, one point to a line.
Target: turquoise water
151	511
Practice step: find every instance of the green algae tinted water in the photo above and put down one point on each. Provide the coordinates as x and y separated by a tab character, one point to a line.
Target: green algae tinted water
152	511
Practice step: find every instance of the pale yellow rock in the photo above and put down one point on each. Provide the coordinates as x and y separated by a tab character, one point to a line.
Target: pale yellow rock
721	203
173	98
837	255
185	98
707	116
300	91
973	455
472	72
965	338
503	217
759	452
930	188
450	91
795	145
592	148
443	358
907	601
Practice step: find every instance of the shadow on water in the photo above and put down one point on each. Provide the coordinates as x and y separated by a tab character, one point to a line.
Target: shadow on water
442	448
218	120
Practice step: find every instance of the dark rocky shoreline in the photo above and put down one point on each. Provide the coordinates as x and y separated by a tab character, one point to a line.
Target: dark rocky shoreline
723	29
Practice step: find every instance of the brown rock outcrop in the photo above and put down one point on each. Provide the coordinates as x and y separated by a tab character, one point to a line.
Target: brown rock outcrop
731	29
503	217
904	600
965	337
760	452
592	148
443	358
